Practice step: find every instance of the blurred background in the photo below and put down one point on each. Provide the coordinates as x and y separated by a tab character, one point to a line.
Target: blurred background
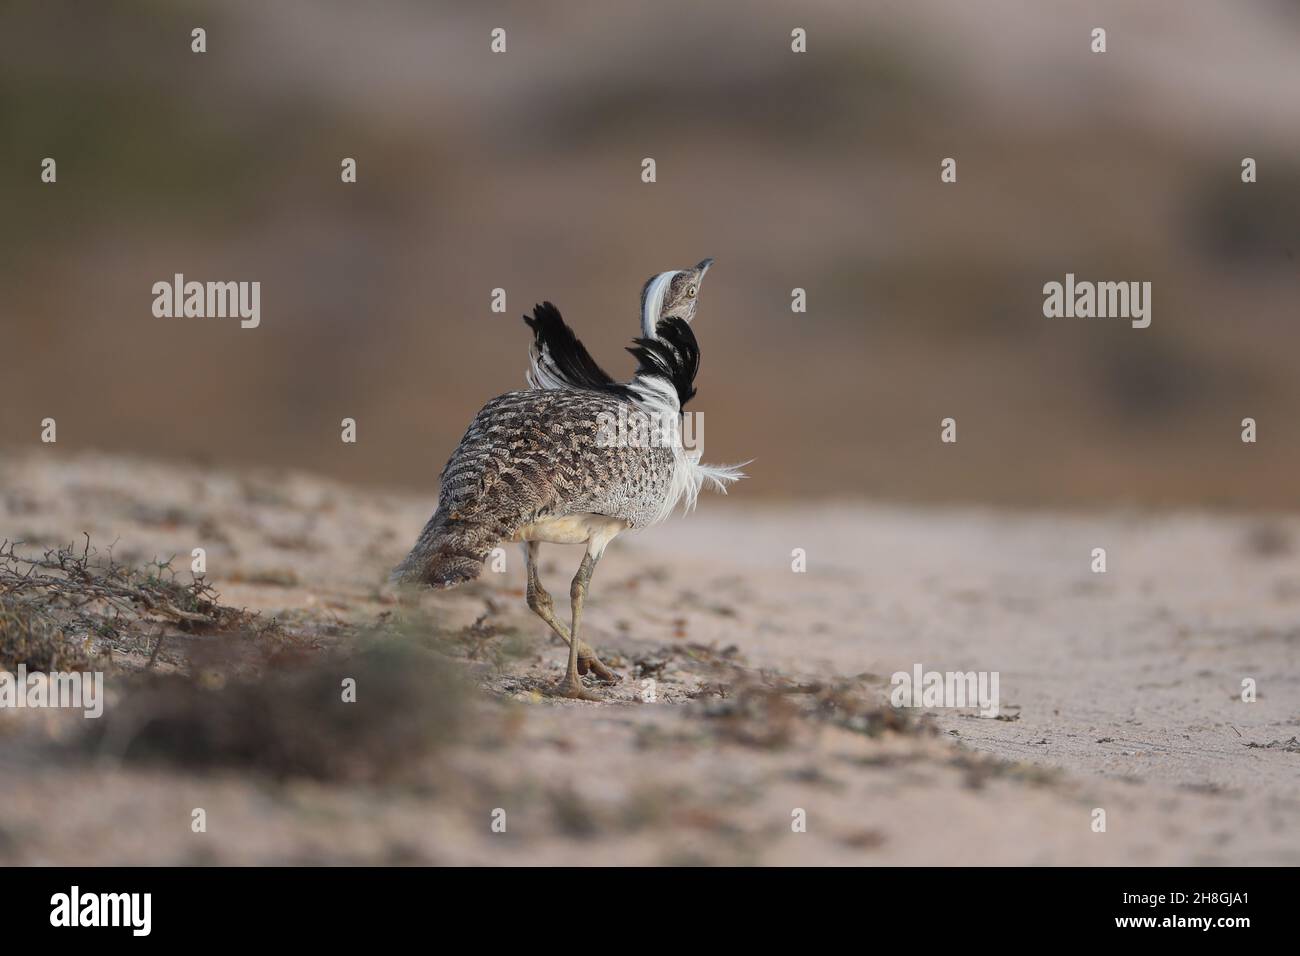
522	171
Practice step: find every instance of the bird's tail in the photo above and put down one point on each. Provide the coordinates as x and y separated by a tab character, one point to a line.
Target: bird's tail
448	552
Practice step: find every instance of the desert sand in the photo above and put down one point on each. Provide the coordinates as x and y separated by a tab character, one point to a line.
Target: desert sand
1119	691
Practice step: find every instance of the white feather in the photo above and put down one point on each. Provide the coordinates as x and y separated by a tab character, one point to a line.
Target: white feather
542	372
655	294
658	398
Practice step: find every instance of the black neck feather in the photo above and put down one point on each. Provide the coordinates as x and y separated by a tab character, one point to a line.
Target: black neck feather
674	355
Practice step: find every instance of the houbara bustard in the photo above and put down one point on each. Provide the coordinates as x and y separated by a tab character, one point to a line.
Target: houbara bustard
575	459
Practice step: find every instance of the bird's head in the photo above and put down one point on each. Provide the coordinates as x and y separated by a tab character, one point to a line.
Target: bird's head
671	295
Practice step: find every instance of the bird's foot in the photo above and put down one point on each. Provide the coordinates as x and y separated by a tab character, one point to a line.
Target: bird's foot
593	665
589	662
571	687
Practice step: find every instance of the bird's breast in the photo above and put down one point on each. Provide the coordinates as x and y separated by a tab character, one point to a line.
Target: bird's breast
570	529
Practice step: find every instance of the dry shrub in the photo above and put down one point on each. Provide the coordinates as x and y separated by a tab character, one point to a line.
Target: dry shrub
293	723
30	637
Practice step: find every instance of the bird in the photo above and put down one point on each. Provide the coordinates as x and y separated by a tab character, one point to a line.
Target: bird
553	463
558	360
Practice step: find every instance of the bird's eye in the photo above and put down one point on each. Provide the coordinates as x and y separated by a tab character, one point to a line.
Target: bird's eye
690	292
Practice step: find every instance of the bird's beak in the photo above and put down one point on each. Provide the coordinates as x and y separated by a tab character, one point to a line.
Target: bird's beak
703	267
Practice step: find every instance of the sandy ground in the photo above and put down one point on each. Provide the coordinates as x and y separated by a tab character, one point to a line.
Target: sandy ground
1119	691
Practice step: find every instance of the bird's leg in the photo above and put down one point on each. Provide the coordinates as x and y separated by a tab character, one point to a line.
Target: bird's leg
571	686
539	600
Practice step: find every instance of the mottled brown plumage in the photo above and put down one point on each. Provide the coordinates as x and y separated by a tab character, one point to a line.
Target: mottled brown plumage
528	456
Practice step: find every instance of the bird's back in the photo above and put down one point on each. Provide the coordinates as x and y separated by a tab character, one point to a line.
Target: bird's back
535	454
